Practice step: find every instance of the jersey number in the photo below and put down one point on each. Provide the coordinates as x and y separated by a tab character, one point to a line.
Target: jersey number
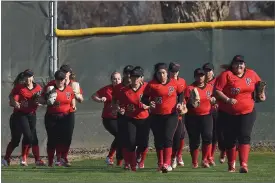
158	100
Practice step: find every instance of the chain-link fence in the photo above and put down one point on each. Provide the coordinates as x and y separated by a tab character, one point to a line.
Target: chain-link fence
94	58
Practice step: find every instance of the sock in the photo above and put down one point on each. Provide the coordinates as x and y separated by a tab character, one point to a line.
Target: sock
35	151
112	153
244	154
195	156
143	155
167	153
179	152
25	152
50	152
160	157
213	150
206	152
231	156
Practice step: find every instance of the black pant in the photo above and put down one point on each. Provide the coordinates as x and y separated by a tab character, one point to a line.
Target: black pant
238	128
111	125
137	134
179	135
221	118
121	127
21	123
214	132
163	128
197	126
59	129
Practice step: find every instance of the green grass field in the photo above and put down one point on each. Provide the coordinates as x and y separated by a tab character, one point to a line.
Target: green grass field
261	169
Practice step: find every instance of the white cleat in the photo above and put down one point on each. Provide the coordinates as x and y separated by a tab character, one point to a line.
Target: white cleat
169	169
174	163
23	163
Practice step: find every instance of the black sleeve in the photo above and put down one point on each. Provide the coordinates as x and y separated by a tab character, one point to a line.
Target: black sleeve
180	97
145	100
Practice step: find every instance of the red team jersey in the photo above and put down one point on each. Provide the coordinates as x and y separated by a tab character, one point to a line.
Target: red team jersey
107	92
165	96
23	95
182	85
205	94
130	99
239	88
212	82
64	99
52	83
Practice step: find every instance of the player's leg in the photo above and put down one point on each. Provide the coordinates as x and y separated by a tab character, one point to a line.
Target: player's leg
244	137
50	125
27	137
230	139
111	126
157	127
35	146
143	132
179	152
170	126
220	135
193	131
176	144
206	123
16	134
211	157
130	135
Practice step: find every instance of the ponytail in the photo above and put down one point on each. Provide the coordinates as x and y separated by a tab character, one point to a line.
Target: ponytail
19	78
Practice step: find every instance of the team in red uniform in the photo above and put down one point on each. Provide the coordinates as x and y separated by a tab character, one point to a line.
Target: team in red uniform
178	140
167	99
198	120
24	100
58	118
109	119
217	126
234	89
135	117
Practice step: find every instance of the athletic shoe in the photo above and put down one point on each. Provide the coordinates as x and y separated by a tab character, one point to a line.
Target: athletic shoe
126	167
205	164
5	162
109	161
222	157
232	167
65	162
180	161
212	162
174	163
244	169
170	168
164	168
195	165
40	163
23	163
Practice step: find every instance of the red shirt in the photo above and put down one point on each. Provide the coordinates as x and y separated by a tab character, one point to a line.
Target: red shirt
64	99
23	95
238	88
107	92
165	96
182	85
130	99
117	90
205	94
52	83
212	82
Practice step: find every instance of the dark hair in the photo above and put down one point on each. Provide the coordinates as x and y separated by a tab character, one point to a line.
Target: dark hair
159	66
127	69
73	76
229	66
19	78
